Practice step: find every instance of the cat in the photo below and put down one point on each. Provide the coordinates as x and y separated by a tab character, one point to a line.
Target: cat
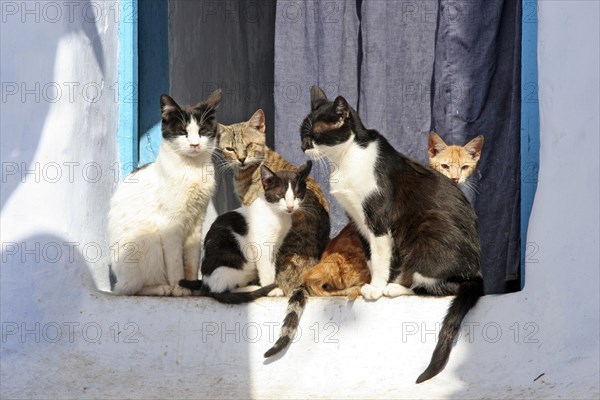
456	162
343	267
418	229
244	149
241	245
155	223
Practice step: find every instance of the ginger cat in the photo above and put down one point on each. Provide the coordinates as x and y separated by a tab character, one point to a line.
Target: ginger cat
456	162
343	267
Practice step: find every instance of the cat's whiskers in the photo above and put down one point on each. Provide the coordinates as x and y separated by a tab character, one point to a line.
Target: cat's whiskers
309	210
222	164
322	165
208	109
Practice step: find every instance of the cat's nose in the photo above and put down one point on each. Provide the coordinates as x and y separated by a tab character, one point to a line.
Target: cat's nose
241	160
306	144
194	146
290	209
455	180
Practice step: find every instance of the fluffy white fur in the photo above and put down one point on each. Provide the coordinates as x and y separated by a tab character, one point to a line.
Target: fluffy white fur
156	218
268	224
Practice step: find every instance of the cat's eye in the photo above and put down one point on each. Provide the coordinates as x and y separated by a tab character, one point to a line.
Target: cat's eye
445	166
229	149
326	287
464	167
249	145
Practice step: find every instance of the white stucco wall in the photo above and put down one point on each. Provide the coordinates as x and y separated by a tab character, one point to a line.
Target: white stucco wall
113	347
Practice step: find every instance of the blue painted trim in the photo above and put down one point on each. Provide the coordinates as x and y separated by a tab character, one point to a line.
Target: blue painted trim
153	39
127	86
530	126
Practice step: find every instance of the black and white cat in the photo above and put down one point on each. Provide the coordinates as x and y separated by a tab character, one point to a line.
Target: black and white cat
156	214
241	245
419	230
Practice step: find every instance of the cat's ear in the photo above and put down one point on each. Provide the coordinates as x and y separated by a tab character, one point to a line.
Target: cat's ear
218	134
257	121
474	147
214	99
168	106
304	170
267	177
317	97
436	144
342	109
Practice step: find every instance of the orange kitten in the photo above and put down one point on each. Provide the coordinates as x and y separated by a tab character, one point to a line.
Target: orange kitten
456	162
342	269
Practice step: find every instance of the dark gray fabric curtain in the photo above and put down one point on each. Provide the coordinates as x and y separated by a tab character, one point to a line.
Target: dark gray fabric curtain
225	44
477	82
412	66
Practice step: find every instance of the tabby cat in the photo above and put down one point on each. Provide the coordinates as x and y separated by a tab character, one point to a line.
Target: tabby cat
241	245
244	148
156	215
458	163
419	230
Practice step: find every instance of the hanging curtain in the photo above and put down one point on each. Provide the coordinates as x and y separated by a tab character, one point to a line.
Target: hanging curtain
477	82
315	43
409	67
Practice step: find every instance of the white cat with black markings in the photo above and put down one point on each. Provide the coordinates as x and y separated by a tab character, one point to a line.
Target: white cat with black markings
156	214
418	230
241	246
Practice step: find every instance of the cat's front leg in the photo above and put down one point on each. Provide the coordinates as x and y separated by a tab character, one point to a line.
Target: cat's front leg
173	250
381	258
191	253
265	264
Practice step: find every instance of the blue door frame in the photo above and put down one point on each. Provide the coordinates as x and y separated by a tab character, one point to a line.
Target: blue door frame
127	131
139	89
143	45
530	126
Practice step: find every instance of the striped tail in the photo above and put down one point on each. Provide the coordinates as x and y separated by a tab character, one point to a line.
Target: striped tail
296	305
468	294
227	297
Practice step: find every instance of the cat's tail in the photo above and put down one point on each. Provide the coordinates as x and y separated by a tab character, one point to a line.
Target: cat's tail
241	297
296	305
191	284
227	297
468	294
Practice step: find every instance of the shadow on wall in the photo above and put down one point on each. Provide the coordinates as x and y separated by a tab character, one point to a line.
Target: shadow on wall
63	338
26	100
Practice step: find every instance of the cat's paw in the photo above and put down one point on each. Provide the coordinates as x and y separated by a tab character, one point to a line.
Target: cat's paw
395	290
159	290
179	291
370	292
277	292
